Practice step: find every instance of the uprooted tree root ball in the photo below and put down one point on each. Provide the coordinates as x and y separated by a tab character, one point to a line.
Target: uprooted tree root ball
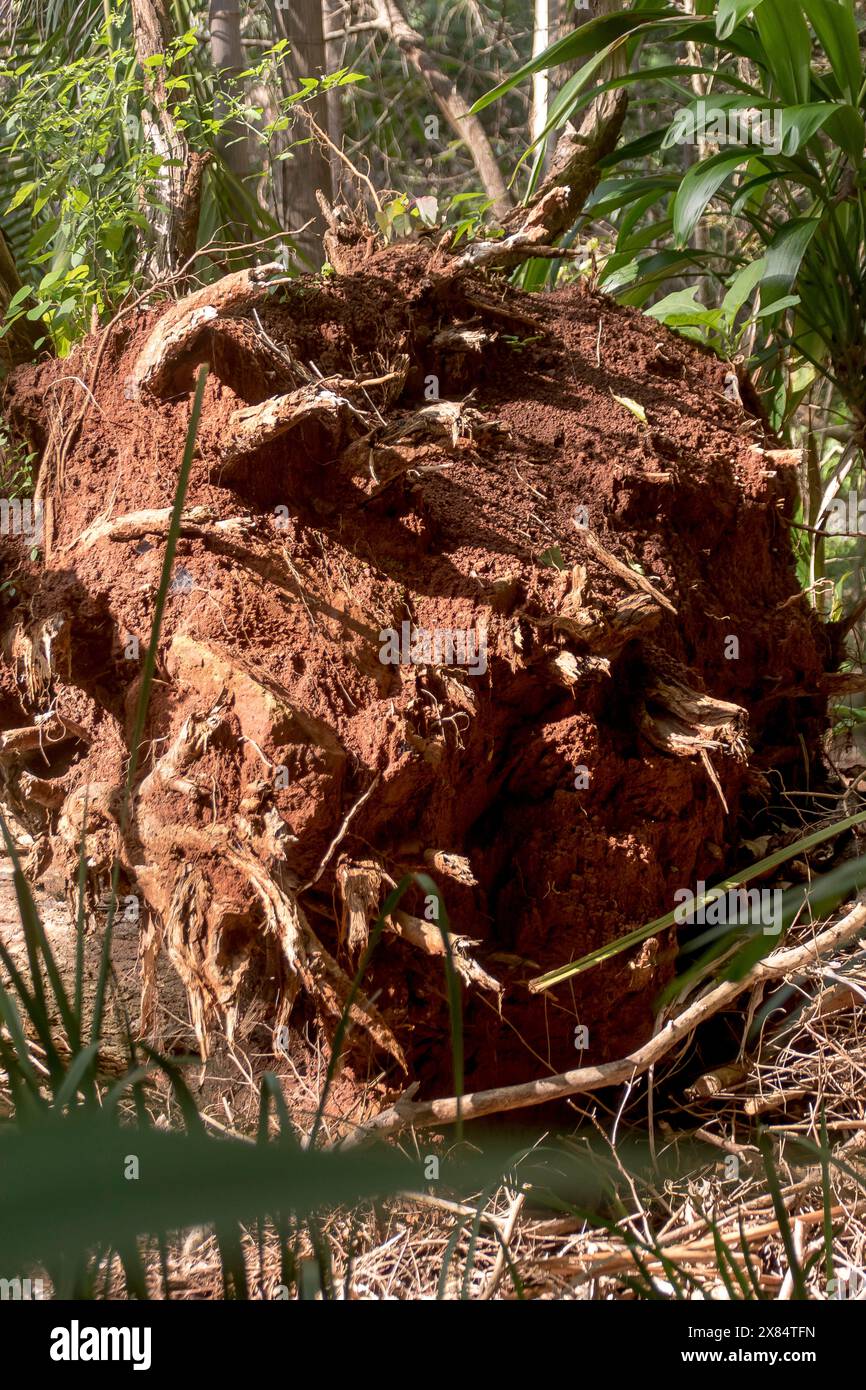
490	586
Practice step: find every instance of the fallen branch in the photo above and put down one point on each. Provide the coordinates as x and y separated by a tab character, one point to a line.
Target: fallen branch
604	1264
426	1114
392	21
181	332
630	576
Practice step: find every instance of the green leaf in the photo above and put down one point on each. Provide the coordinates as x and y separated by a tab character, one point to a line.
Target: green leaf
787	46
846	127
730	13
634	406
800	123
790	301
18	298
552	558
64	1187
709	119
700	186
784	257
741	288
21	196
50	279
682	309
836	29
597	37
42	235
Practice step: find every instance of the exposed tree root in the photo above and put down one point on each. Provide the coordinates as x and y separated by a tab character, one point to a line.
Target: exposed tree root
683	721
257	425
429	938
321	724
195	521
179	337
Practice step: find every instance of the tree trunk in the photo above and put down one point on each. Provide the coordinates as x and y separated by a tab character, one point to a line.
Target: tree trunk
541	38
178	190
227	56
308	169
336	17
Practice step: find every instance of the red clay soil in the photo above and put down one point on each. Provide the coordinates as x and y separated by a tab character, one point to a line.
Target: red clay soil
350	536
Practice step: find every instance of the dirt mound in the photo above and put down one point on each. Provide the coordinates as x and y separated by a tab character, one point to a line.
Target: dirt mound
506	576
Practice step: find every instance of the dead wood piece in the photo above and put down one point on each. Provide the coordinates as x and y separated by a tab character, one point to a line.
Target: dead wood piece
574	167
714	1083
347	233
527	244
220	964
454	866
452	420
683	721
256	425
180	332
605	632
41	790
779	458
462	340
504	313
40	651
360	885
570	670
429	938
600	630
211	991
